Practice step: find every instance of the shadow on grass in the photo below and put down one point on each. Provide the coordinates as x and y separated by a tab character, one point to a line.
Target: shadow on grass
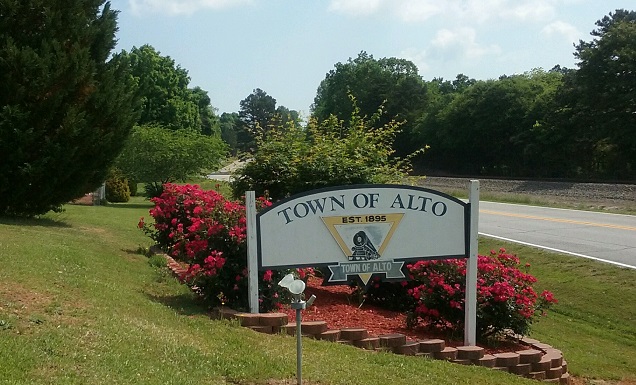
44	222
130	205
185	304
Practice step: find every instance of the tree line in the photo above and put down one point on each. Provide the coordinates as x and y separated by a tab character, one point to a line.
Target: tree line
560	123
71	109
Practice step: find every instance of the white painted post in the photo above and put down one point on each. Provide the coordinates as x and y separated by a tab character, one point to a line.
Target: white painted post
252	258
470	309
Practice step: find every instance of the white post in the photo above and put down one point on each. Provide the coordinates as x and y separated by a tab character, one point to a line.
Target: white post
252	258
470	308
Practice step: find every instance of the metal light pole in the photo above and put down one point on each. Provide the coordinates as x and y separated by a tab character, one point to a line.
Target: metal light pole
297	287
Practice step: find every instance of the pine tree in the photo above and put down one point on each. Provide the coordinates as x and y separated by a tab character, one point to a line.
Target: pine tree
66	104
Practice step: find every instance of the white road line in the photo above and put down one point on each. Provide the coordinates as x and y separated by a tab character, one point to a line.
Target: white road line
558	250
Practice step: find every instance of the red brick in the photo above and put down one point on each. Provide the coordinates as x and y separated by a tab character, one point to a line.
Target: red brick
529	356
469	352
392	340
544	364
353	334
446	354
556	360
273	319
408	349
248	319
521	369
565	379
290	328
329	335
536	375
554	372
432	346
487	361
313	327
369	343
506	359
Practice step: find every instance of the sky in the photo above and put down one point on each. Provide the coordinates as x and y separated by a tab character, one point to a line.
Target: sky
286	47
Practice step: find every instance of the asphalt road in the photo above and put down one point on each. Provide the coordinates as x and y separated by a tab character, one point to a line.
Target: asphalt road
606	237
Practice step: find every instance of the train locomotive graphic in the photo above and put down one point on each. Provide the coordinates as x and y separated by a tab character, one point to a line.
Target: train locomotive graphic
363	249
363	240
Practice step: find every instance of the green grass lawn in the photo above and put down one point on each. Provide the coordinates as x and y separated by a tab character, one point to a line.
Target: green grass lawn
80	305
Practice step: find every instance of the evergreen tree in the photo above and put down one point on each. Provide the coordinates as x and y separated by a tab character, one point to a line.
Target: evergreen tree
65	104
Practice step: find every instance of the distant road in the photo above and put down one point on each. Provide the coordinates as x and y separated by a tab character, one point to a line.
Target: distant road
606	237
224	174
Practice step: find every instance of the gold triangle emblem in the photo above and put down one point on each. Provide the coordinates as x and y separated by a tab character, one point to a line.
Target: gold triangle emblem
363	237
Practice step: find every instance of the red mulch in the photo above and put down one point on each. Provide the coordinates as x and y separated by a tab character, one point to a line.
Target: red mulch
333	306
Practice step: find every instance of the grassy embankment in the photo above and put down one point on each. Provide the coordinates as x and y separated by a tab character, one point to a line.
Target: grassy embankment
79	305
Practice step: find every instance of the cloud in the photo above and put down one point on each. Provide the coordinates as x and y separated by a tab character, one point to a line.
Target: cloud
419	10
568	31
480	11
462	42
355	7
530	10
418	57
180	7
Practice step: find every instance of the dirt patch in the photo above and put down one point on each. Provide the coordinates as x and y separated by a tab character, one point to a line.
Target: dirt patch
22	309
86	200
18	299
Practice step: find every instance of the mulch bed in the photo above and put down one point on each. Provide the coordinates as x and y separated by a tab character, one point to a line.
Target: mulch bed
335	306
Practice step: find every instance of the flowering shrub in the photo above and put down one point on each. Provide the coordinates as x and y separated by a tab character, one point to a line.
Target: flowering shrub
506	300
208	232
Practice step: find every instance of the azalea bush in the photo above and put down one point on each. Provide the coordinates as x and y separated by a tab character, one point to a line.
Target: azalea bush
435	296
207	232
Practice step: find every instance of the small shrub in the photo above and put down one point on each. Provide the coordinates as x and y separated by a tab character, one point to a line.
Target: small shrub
153	190
132	186
157	260
117	189
208	232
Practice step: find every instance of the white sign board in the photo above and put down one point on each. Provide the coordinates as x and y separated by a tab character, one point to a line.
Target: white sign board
362	230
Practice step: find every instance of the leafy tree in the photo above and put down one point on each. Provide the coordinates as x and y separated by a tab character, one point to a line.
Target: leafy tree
66	105
165	97
285	115
155	155
598	101
389	82
460	84
480	128
229	126
290	159
210	124
257	113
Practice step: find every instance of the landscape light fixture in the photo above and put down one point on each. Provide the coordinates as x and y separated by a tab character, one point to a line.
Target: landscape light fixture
296	287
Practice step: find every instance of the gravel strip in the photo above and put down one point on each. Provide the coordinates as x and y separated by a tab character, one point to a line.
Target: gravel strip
603	194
